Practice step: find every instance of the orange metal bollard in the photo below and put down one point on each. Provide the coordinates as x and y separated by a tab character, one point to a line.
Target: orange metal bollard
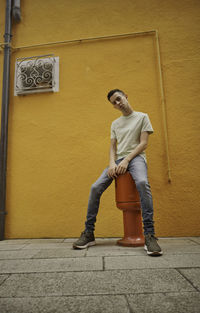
127	200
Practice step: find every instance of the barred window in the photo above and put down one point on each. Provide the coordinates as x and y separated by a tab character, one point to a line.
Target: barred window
37	74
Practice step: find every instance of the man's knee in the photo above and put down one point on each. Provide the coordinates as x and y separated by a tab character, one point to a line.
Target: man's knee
141	184
95	188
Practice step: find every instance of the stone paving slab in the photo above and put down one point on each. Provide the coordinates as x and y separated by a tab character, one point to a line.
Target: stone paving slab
92	251
195	239
170	246
134	262
41	254
71	240
59	253
115	250
184	260
186	302
32	240
6	247
3	278
94	283
165	261
13	241
46	240
161	241
47	245
17	254
84	304
181	249
51	265
173	241
193	275
176	241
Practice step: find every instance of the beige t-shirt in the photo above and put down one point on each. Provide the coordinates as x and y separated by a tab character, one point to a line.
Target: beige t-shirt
127	130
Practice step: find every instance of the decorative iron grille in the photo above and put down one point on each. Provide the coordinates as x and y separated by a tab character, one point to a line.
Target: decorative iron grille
35	74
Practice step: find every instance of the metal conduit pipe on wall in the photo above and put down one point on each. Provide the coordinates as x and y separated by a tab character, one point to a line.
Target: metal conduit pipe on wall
5	106
4	117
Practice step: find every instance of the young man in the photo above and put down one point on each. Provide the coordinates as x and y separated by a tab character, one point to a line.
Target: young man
129	138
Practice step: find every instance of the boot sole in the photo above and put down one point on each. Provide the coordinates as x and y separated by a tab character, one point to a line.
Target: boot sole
152	252
89	244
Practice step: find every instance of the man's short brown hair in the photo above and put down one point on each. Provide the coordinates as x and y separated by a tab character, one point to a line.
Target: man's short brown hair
111	92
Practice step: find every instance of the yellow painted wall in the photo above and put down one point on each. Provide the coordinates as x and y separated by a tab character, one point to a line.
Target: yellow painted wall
59	142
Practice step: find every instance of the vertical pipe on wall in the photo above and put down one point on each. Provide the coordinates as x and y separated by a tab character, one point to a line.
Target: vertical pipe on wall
163	107
4	116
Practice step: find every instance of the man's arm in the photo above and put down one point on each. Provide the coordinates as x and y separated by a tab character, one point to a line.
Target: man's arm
112	164
122	166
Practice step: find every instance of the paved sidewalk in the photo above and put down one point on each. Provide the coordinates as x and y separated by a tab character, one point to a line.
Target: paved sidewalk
47	275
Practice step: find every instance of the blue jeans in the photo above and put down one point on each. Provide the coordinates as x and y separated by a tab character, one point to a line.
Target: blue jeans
138	170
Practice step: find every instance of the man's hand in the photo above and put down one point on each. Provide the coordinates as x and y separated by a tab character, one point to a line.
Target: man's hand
112	171
122	167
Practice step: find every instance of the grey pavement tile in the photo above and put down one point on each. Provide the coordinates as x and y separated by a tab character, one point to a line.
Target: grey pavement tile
187	302
48	245
106	242
17	254
51	265
193	275
46	240
196	239
83	304
2	278
134	262
176	241
165	261
184	260
71	240
59	253
14	241
115	252
174	237
161	240
180	249
5	247
113	249
101	240
94	283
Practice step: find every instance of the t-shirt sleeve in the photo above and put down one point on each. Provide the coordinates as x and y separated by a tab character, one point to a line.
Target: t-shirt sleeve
146	125
112	131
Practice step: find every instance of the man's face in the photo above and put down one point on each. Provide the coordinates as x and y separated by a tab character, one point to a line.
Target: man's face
120	102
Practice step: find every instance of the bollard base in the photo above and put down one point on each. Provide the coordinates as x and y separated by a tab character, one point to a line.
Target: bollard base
131	242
